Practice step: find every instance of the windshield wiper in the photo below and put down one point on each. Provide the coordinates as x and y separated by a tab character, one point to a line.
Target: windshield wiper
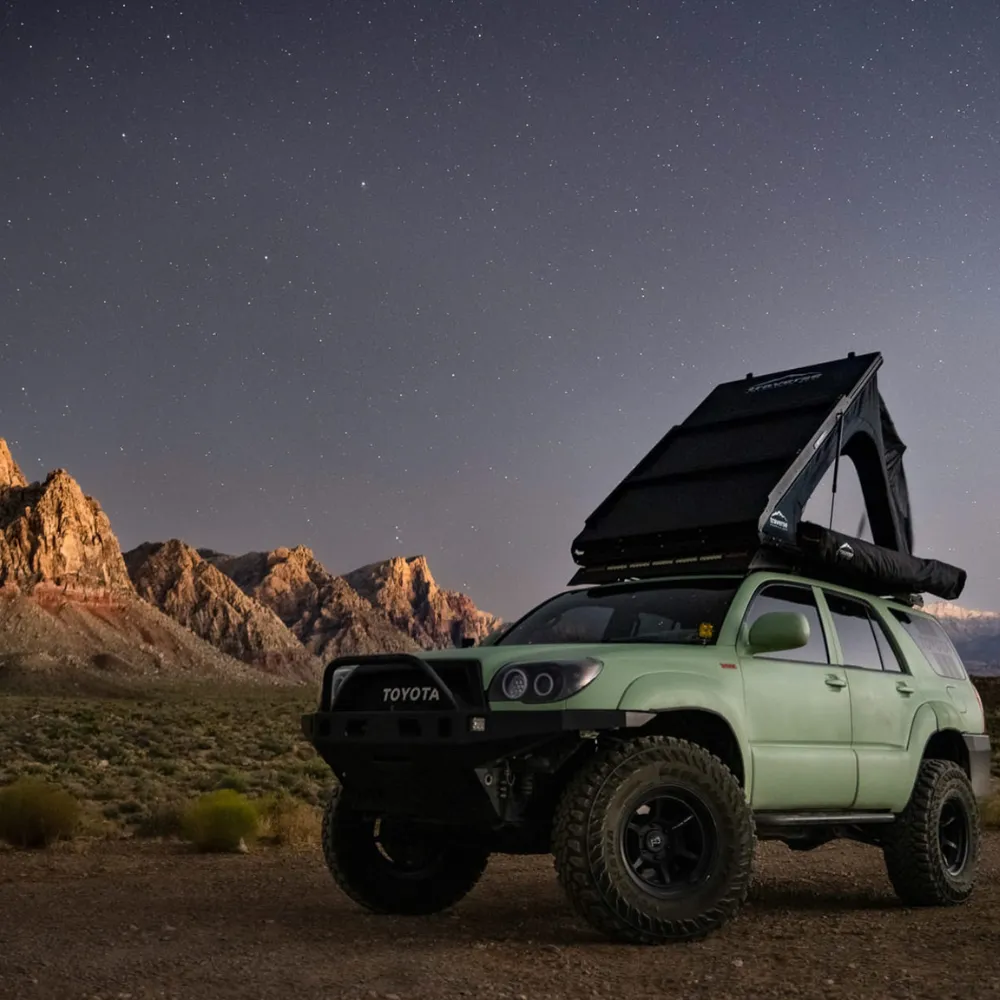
653	639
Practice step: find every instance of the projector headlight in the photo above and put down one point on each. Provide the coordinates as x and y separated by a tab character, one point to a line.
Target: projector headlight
337	681
543	680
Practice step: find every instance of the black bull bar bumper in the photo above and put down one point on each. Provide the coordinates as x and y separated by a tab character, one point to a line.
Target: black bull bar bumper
435	759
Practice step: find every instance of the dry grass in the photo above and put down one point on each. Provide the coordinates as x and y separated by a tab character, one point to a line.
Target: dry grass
134	762
989	809
36	813
220	821
288	822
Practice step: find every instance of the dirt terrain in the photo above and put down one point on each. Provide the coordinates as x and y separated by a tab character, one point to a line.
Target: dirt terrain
130	920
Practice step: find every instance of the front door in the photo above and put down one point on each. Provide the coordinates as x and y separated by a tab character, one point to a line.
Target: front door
884	700
798	708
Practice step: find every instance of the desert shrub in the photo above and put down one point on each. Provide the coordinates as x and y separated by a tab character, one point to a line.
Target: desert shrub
220	821
287	822
990	810
35	813
163	820
237	782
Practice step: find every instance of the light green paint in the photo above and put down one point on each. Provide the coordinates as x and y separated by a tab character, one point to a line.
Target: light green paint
813	736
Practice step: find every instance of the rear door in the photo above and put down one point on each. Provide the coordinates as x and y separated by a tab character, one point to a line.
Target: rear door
798	707
884	698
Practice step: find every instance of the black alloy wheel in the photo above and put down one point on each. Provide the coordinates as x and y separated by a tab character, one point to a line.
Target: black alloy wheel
668	841
953	836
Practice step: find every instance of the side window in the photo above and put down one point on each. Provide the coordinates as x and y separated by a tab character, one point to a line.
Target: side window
863	642
890	658
785	597
934	643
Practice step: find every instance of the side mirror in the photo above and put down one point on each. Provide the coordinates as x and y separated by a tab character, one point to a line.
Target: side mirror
778	630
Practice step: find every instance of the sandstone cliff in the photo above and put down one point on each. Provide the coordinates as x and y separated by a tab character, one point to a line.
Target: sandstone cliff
406	591
67	606
51	532
173	577
10	473
322	610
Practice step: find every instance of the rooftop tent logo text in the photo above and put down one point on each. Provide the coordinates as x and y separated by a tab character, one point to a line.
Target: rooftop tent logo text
783	381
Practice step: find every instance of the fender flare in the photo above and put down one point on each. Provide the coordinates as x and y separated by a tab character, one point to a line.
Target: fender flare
660	694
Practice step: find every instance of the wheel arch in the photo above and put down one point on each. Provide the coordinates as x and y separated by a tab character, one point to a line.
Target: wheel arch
706	728
948	744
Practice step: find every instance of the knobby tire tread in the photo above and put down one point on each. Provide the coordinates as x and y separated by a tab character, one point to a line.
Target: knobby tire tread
580	831
344	850
912	855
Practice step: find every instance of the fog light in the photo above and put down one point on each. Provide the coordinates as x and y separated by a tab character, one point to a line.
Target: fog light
477	724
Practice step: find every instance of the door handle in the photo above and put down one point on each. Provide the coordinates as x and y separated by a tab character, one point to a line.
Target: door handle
903	688
832	680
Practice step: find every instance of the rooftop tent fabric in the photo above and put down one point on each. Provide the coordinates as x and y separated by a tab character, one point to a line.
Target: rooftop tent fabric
856	563
736	475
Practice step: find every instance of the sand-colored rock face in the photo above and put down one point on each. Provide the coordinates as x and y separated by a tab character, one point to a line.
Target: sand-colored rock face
405	589
51	532
70	600
10	472
174	577
67	606
322	610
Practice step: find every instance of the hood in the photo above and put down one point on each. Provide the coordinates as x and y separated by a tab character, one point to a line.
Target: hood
622	661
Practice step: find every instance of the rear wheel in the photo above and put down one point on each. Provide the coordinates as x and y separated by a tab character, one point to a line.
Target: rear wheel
389	865
932	850
654	842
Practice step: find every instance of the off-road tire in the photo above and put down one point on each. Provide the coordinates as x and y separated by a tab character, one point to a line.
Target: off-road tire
590	863
365	875
913	855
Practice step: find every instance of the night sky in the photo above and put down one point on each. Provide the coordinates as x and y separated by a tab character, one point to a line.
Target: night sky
398	278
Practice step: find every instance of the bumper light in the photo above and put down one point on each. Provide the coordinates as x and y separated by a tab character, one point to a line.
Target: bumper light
477	724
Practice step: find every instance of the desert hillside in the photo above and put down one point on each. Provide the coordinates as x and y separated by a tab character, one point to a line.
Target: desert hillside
68	609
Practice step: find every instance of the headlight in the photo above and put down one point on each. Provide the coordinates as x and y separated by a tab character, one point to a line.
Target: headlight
543	680
337	681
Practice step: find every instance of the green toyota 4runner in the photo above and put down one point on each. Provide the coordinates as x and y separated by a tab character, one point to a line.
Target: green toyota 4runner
716	677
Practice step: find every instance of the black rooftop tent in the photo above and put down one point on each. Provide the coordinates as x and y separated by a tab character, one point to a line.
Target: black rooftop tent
725	490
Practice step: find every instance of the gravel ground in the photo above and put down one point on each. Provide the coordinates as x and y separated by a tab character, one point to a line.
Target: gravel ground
123	921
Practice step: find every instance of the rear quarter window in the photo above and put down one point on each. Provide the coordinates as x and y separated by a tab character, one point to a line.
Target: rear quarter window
934	643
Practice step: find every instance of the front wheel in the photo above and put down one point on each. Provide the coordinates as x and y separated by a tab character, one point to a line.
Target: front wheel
654	842
388	865
932	850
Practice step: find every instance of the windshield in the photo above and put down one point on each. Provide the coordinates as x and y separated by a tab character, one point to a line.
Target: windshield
676	612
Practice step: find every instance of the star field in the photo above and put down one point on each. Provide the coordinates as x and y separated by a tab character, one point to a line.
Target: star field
389	278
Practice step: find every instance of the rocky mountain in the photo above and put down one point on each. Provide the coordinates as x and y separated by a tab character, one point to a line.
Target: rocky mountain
10	474
51	532
323	611
976	635
174	577
67	604
71	600
432	617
